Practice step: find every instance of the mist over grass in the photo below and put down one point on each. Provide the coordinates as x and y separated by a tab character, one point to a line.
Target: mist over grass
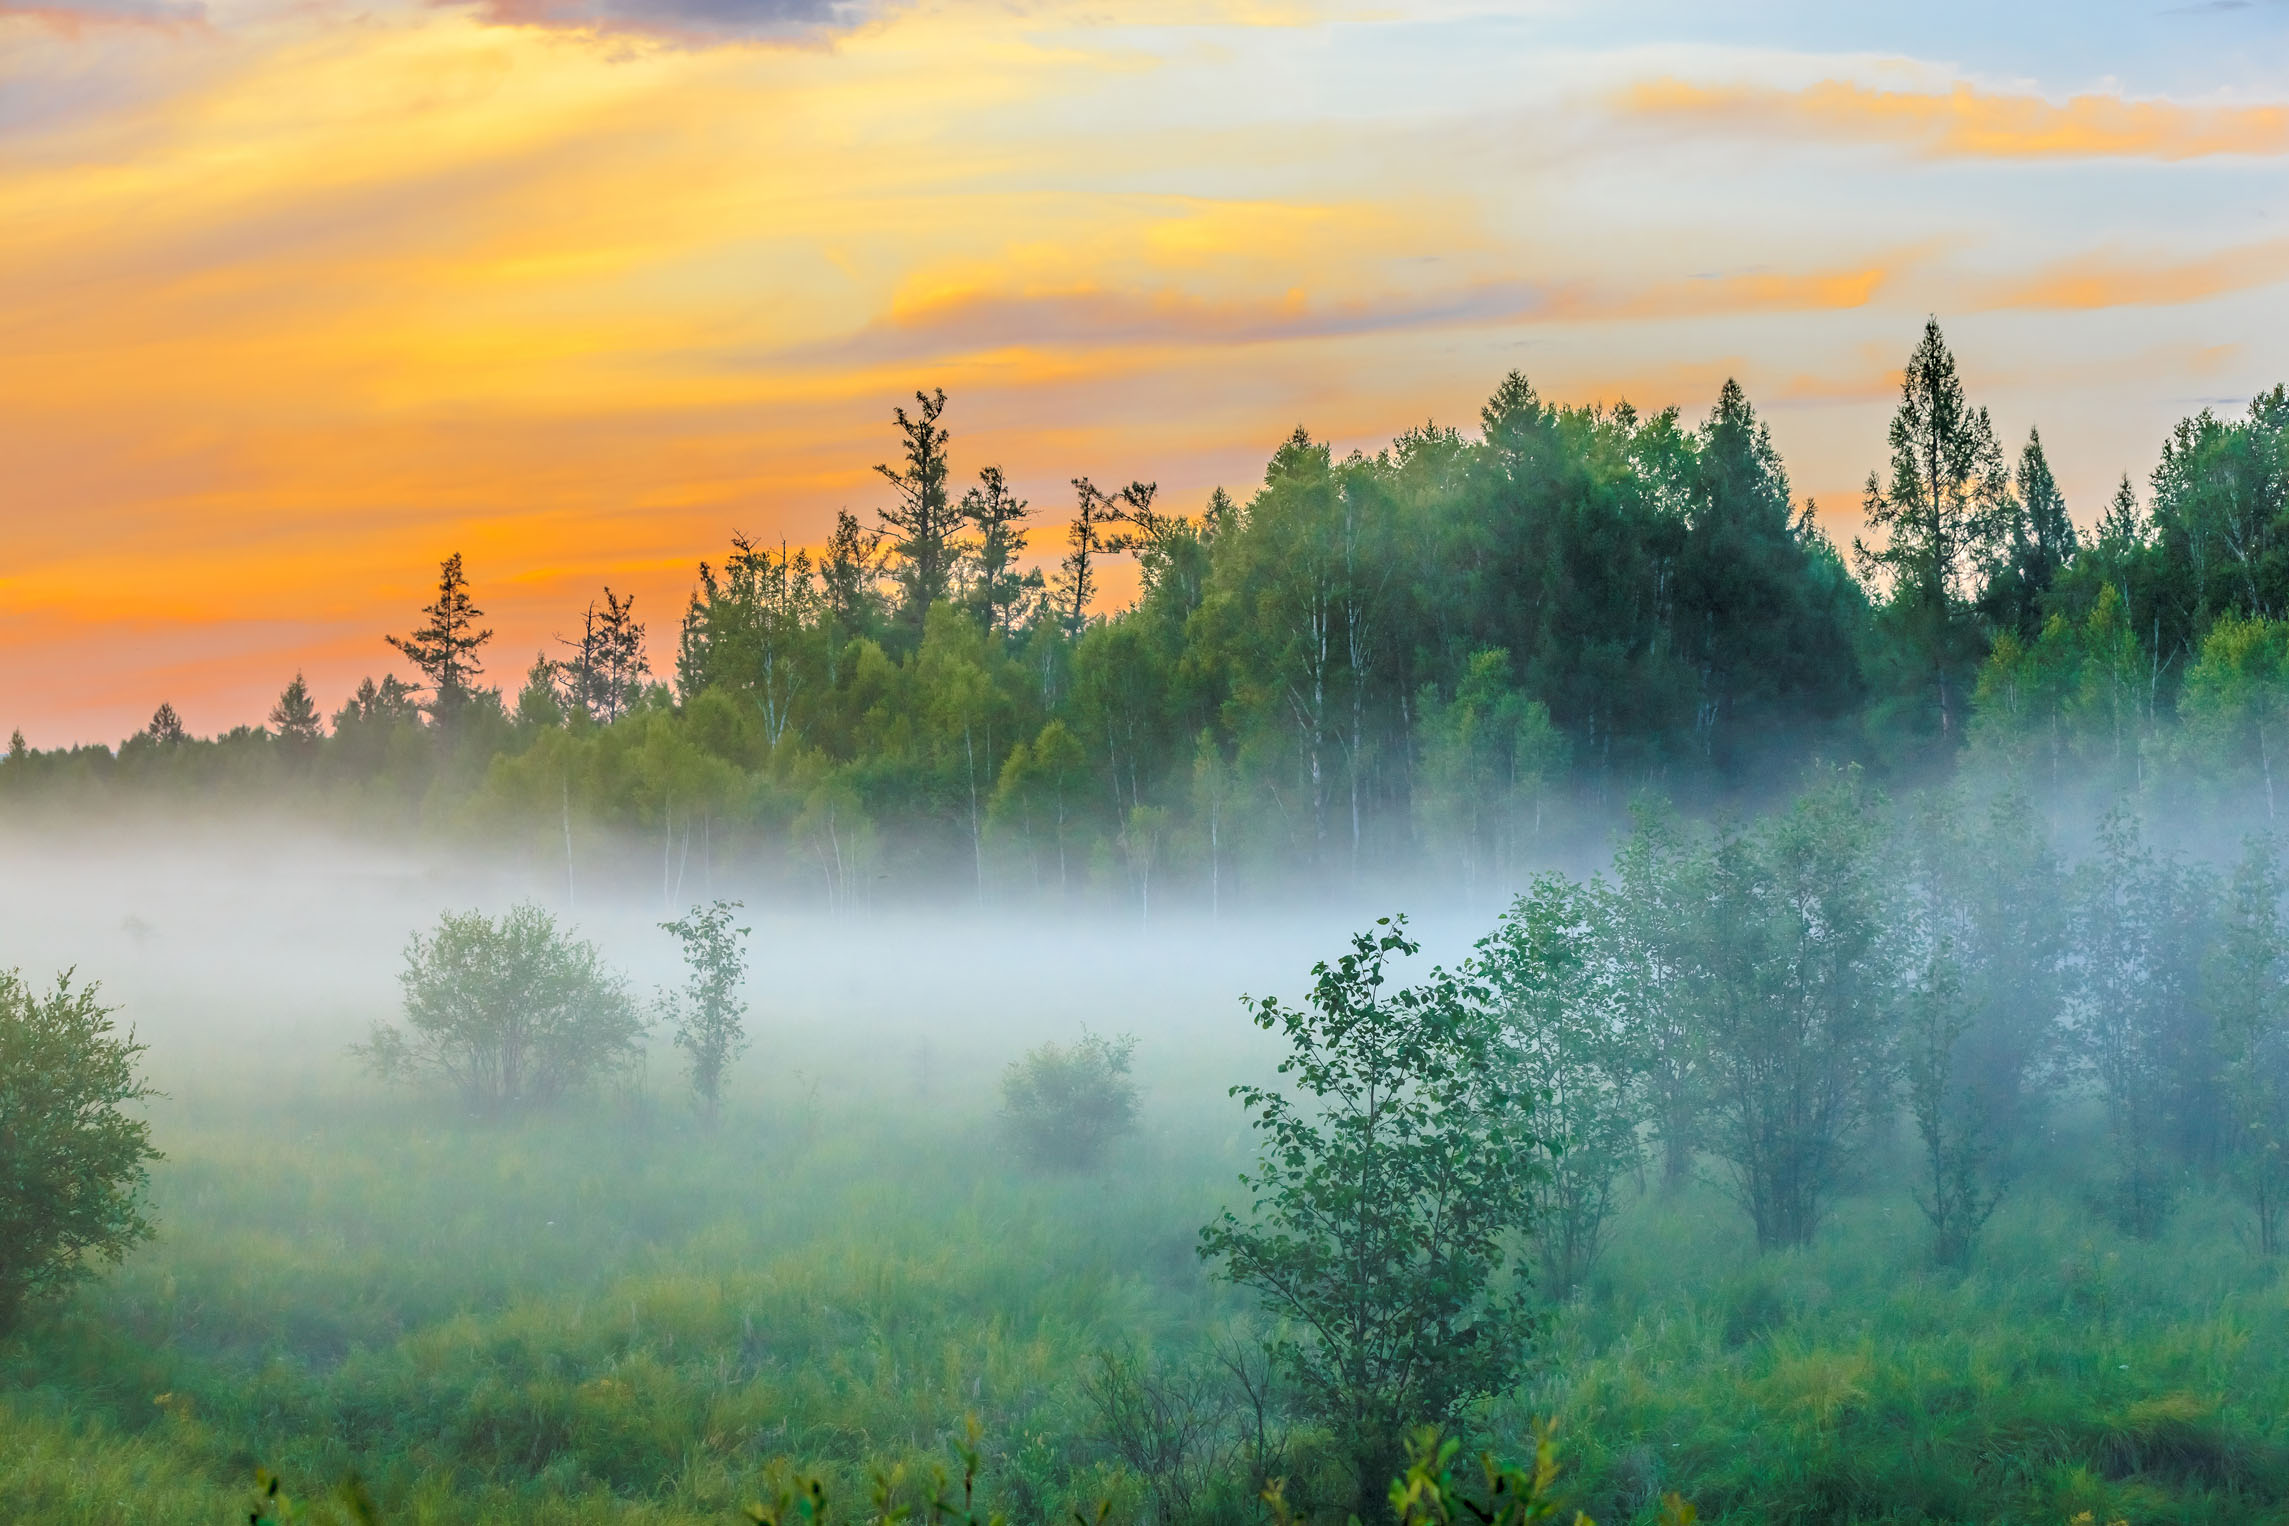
605	1312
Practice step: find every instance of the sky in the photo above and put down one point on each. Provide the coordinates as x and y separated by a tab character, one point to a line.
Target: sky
297	297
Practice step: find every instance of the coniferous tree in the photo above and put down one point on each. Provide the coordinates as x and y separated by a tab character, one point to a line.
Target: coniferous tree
920	529
444	649
2041	541
608	665
997	515
1762	616
166	728
1946	511
848	570
295	717
1075	586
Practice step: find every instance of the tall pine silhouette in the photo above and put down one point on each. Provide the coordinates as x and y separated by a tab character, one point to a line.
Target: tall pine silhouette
445	648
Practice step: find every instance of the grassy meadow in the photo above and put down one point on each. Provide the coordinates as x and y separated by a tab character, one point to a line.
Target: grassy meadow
607	1314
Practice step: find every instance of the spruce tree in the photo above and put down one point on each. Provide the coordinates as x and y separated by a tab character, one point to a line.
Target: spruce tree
1946	511
444	649
295	717
2041	543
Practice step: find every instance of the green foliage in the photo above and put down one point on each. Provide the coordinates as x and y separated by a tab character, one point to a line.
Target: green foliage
1427	1494
2236	701
1792	988
1064	1104
1568	1031
709	1015
1946	514
1461	652
73	1161
2142	923
1385	1199
2246	989
512	1013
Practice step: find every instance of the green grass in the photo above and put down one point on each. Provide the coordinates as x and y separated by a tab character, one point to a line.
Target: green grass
612	1317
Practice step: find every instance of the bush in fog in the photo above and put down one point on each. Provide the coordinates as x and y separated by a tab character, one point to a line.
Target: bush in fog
2143	925
1794	985
1567	1029
1063	1104
2248	988
72	1161
1391	1185
512	1012
709	1016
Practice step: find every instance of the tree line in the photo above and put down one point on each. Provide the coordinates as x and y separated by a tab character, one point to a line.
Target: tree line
1457	655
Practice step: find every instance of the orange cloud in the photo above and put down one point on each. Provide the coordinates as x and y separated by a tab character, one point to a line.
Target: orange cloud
1969	123
2109	278
1718	295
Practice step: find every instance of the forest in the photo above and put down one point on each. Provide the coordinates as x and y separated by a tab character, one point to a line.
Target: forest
1517	981
1458	657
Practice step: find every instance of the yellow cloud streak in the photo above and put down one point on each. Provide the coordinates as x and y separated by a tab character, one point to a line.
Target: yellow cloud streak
1965	122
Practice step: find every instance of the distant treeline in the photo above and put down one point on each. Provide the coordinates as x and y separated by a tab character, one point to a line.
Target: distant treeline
1446	656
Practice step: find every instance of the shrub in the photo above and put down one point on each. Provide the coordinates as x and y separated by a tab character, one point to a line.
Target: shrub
513	1013
1063	1104
1395	1177
72	1163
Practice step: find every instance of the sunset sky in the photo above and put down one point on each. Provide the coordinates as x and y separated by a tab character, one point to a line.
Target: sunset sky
300	295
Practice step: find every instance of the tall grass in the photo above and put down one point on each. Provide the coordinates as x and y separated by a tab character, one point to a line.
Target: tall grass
618	1317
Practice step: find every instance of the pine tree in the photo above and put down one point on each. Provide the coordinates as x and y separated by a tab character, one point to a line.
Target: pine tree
1075	585
608	663
996	513
295	716
166	726
445	648
1947	511
919	530
848	571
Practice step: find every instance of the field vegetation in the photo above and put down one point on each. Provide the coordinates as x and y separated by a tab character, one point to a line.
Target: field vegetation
1838	1070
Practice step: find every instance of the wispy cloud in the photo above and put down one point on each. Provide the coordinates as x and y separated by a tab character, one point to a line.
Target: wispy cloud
73	15
2116	278
1965	122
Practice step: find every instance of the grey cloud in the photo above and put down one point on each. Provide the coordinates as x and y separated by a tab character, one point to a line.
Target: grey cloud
689	20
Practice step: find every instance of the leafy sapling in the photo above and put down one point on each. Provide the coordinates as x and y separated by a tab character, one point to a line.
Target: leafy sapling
709	1014
1394	1182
